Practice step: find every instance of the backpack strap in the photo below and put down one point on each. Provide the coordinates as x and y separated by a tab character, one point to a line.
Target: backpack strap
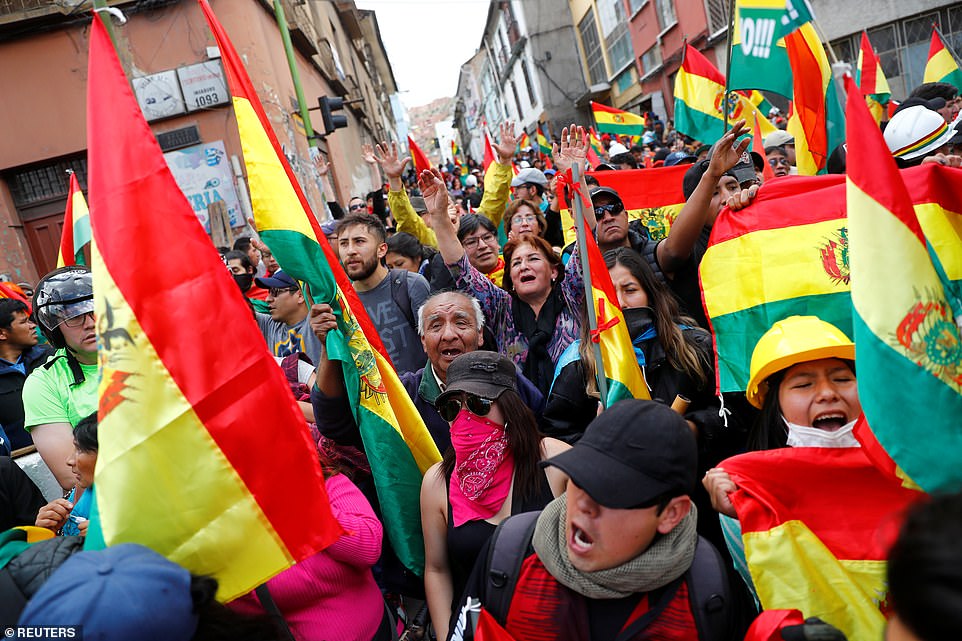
507	551
72	363
709	592
267	602
401	296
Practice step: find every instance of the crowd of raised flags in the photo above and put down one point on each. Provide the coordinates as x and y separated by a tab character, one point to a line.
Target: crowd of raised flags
877	253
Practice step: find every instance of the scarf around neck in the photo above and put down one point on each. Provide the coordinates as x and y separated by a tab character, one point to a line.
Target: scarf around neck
665	560
538	367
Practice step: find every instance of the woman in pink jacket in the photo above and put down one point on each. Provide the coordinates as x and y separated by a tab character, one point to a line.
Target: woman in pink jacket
332	595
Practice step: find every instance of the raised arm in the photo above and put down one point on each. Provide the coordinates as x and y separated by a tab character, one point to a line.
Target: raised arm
497	178
436	198
677	247
405	217
572	151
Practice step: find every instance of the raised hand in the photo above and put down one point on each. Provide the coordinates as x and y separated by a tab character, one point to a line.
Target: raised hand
573	149
725	154
508	142
386	155
367	153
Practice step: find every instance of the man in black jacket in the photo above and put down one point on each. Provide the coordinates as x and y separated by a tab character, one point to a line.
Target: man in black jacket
19	355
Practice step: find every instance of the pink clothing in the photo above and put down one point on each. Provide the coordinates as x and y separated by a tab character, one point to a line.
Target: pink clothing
332	595
483	468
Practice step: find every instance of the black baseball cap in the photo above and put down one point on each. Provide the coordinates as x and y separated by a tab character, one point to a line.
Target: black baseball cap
598	191
486	374
632	453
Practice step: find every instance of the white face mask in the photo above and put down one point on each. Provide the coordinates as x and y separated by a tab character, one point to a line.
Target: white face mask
801	436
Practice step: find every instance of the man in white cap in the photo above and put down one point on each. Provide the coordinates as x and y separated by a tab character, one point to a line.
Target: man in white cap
781	138
918	134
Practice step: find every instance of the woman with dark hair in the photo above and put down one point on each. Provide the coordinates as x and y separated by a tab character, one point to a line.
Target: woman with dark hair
490	472
69	516
404	251
536	313
673	352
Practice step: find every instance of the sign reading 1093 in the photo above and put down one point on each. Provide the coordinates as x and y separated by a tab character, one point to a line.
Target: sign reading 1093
203	85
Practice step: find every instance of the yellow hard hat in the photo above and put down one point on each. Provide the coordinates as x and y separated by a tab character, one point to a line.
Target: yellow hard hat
793	340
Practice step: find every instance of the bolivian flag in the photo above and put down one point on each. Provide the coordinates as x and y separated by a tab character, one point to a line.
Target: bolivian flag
700	99
616	121
76	227
817	524
871	81
421	162
185	465
621	369
817	120
524	141
788	253
907	305
654	196
544	143
941	65
398	446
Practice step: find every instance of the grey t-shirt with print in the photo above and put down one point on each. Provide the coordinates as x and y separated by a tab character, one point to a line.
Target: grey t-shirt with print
401	340
284	340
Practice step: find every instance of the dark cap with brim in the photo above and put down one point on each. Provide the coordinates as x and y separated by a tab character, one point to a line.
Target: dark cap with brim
598	191
418	204
486	374
279	280
633	453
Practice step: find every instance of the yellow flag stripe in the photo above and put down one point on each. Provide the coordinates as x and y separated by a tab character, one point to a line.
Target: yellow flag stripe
939	66
792	569
172	441
764	266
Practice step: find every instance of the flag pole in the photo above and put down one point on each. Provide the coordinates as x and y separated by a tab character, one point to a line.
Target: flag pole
728	59
295	75
581	239
100	7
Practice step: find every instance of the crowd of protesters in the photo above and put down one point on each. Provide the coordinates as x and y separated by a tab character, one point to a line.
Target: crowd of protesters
558	517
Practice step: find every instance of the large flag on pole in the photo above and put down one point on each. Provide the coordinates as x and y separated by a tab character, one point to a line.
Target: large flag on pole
616	121
871	80
398	446
758	56
941	65
700	100
906	314
817	525
177	469
817	121
76	226
654	196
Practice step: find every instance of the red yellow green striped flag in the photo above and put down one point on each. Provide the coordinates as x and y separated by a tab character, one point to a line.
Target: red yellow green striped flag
615	121
941	65
871	81
76	226
786	254
621	369
906	313
178	469
421	162
654	196
699	100
544	143
524	141
817	524
398	446
817	120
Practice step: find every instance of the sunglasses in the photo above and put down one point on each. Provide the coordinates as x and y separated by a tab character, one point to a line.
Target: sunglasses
356	207
774	162
277	291
612	208
475	404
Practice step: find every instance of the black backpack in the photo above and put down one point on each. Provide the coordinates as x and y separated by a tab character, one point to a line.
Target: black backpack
708	587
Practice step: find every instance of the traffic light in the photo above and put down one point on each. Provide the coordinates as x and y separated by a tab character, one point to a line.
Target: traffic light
331	120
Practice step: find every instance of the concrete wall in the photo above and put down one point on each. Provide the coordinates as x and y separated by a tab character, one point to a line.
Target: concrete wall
837	18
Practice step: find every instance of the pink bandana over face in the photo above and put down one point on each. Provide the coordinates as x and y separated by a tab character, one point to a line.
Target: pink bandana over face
483	468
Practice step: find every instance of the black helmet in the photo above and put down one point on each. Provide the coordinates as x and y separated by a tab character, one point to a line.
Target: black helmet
64	293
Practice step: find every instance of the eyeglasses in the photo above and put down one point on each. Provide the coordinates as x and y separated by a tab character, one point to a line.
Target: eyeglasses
477	405
774	162
78	321
520	219
356	207
474	241
277	291
612	208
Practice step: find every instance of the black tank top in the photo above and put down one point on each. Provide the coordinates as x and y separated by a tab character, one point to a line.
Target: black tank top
466	541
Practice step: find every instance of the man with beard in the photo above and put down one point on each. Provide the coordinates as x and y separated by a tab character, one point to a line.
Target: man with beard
391	297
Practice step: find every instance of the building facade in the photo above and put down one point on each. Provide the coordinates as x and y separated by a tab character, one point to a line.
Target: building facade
174	67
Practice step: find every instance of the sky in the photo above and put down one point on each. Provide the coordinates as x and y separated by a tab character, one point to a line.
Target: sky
427	41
